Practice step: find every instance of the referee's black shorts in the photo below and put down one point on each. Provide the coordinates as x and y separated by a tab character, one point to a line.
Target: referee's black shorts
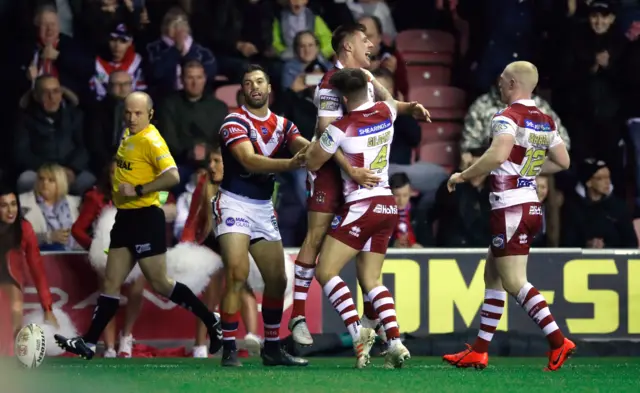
141	230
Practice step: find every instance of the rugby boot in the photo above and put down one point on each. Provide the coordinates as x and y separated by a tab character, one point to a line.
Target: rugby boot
215	335
125	349
396	355
252	343
277	356
468	358
230	358
362	346
558	356
300	331
76	346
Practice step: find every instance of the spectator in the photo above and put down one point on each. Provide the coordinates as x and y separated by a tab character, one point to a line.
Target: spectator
477	122
462	217
121	56
403	236
593	217
631	101
294	19
175	48
56	54
376	9
382	55
590	90
549	235
304	71
51	130
99	16
239	31
190	117
425	176
107	124
51	210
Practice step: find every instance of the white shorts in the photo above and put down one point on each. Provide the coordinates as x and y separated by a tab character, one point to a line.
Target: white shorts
236	214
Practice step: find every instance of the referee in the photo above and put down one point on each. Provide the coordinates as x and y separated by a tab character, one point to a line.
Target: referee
144	167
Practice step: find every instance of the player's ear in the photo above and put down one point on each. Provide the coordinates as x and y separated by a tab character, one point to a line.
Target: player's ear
150	114
269	88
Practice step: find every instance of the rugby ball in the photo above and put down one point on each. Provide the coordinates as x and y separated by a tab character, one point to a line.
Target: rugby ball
30	346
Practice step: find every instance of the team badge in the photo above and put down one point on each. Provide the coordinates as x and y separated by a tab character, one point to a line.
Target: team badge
498	241
264	130
320	195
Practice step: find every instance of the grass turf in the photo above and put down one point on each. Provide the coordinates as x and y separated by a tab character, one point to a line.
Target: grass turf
335	375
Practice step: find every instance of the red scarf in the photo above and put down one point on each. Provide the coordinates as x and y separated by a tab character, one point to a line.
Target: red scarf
129	57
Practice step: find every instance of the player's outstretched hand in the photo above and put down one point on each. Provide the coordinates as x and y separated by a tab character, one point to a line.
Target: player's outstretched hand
127	190
300	159
365	177
456	178
420	112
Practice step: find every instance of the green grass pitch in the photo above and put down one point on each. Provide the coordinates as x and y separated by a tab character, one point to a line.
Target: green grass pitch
325	375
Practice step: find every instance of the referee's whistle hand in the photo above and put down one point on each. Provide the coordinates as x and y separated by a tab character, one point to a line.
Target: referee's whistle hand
127	190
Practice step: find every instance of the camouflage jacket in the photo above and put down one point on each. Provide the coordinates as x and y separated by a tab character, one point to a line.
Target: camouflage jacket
477	122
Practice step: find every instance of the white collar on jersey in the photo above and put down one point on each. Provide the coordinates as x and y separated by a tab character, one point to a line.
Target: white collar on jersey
339	65
528	102
364	106
256	117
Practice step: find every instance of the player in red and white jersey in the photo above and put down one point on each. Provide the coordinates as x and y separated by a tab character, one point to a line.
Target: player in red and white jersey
353	50
367	220
245	222
523	139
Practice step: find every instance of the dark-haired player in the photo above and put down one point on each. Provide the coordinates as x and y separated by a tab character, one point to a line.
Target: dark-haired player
252	136
366	221
353	50
522	138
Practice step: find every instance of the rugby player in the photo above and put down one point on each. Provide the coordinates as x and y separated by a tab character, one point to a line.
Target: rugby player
523	137
144	167
366	222
245	221
353	50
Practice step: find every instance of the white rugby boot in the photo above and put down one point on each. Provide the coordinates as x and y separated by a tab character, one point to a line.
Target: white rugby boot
300	331
125	348
396	355
200	352
362	346
252	343
109	353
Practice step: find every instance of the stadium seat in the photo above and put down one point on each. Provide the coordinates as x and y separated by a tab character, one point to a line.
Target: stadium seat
428	75
441	153
424	58
440	132
425	41
443	102
227	94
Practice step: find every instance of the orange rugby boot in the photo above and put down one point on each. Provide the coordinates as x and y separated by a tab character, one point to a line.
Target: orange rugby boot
558	356
468	358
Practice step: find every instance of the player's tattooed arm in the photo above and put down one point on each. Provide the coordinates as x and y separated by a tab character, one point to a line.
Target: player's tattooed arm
256	163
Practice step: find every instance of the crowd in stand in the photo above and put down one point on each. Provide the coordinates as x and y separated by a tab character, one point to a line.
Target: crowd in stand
70	63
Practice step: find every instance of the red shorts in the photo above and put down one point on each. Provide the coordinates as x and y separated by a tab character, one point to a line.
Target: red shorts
324	189
513	228
366	225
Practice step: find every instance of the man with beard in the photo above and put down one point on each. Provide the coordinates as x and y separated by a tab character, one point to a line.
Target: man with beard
244	219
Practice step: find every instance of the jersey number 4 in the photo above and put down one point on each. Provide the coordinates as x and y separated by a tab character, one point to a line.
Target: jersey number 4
534	158
380	162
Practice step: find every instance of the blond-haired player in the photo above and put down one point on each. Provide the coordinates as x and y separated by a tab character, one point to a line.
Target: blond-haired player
523	139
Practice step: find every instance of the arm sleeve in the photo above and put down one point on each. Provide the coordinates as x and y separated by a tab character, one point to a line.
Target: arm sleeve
329	103
393	110
36	267
503	125
159	155
331	139
234	130
291	131
89	212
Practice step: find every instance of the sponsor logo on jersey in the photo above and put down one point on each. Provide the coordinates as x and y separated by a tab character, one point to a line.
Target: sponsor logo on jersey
498	241
274	222
140	248
335	222
122	164
523	238
385	209
327	140
238	222
234	130
499	126
532	125
355	231
379	127
535	210
370	114
162	157
329	103
230	221
528	183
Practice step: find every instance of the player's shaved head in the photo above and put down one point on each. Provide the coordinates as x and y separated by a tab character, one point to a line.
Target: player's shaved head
517	81
138	97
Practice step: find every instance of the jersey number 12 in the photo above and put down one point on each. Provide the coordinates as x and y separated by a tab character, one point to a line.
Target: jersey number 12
534	158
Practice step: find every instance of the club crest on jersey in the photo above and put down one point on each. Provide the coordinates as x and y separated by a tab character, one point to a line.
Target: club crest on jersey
320	195
264	130
335	222
498	241
373	129
327	140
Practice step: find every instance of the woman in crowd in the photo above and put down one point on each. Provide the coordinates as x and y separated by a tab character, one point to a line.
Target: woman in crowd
195	225
19	247
51	210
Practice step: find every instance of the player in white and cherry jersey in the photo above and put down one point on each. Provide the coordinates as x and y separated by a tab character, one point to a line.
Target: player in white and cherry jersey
523	139
366	221
252	139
